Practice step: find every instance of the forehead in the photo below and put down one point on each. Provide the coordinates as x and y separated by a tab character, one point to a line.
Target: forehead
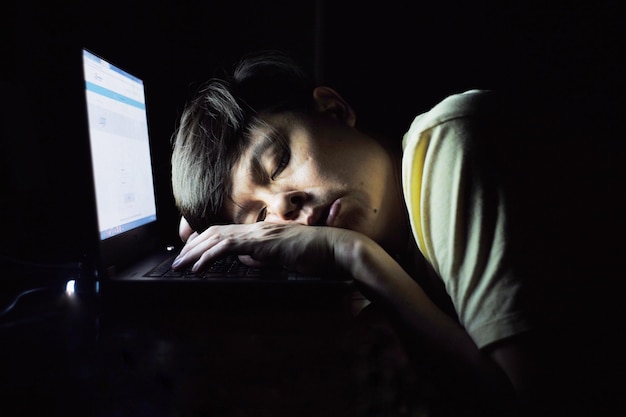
261	136
263	133
269	131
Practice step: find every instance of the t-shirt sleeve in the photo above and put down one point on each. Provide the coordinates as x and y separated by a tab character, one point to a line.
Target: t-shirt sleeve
459	218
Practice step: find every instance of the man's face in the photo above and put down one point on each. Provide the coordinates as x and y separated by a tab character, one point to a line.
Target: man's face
328	174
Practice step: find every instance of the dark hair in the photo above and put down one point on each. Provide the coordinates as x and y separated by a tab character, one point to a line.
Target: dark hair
214	129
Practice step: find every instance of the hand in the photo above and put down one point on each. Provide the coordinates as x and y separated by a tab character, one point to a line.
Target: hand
304	249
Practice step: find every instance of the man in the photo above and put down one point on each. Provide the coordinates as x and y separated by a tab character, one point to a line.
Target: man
271	167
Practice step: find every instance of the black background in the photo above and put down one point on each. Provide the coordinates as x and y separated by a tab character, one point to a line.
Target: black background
391	60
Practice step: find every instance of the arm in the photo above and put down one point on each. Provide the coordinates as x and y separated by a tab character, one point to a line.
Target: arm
483	379
456	198
380	276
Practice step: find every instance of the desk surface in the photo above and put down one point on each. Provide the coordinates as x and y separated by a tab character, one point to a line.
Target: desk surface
74	356
90	355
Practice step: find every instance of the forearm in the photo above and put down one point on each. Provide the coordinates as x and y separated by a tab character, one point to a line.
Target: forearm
382	276
436	332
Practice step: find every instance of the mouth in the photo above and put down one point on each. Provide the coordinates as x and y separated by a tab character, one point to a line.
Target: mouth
321	221
332	213
326	216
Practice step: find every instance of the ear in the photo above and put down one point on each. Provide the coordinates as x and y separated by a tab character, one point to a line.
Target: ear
330	102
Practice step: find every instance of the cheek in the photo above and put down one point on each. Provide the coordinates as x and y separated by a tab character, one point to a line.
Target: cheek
329	167
309	170
337	166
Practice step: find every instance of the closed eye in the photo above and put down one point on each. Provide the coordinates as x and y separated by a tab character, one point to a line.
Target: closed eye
262	214
285	156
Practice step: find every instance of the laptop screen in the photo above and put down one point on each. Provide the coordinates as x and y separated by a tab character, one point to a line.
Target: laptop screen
120	148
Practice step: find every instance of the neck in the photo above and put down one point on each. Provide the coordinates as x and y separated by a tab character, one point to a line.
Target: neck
399	239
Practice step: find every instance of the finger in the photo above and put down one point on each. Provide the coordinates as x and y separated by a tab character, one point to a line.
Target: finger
195	249
215	251
250	261
192	236
196	240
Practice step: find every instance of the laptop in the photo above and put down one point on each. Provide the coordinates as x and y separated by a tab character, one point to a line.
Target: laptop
129	245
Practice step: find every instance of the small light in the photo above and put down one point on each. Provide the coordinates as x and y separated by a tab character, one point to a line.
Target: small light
69	287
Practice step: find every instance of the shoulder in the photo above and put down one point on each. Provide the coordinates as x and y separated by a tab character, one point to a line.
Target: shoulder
469	103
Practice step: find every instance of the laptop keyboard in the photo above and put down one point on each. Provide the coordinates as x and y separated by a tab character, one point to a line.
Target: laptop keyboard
229	267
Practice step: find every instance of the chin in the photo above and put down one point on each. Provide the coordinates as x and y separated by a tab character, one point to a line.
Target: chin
360	226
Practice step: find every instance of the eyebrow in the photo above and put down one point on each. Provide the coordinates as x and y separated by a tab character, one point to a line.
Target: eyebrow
255	170
241	212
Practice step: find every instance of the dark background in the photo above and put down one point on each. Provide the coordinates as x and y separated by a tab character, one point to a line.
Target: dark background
391	60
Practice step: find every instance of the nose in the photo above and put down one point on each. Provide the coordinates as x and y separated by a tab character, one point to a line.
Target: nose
287	207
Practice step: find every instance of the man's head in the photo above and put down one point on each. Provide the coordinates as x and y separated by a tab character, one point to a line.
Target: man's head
270	145
214	130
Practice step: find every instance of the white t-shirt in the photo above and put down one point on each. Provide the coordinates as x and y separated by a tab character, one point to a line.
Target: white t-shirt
459	217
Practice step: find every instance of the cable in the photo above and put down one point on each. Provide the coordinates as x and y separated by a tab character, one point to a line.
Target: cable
28	268
39	265
53	274
19	296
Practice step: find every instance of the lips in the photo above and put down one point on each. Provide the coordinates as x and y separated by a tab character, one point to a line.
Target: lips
333	213
324	216
318	217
